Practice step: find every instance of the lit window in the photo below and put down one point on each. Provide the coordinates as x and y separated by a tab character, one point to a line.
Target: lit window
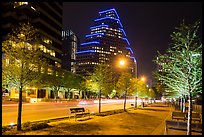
50	71
32	8
57	64
7	62
44	49
42	70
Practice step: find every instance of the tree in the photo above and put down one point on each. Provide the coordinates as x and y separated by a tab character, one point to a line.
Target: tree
123	85
142	91
71	81
53	81
22	61
134	88
101	81
160	87
151	94
183	65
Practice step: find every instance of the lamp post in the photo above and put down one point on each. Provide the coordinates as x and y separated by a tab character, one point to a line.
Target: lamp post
122	63
136	99
143	79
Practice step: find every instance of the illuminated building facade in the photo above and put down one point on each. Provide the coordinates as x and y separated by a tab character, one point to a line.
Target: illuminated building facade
69	49
106	42
47	18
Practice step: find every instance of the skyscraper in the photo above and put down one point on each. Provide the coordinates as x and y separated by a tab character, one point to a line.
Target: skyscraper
106	43
69	49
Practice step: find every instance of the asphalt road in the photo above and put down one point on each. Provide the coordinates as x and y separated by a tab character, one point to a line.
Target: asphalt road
45	111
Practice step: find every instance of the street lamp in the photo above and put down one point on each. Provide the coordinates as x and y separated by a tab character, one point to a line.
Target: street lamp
143	79
122	63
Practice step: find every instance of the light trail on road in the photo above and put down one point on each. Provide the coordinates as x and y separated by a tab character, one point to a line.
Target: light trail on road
45	111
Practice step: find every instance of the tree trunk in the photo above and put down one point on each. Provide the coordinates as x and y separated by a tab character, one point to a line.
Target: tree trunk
99	109
125	100
19	108
136	102
85	95
55	95
178	103
88	94
181	104
142	103
189	114
184	104
80	94
68	95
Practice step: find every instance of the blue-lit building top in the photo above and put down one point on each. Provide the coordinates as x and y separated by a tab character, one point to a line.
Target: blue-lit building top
107	40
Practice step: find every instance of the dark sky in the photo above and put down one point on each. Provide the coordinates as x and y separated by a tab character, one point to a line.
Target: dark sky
148	25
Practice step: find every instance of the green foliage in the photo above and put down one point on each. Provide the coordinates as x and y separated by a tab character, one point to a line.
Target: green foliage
71	80
101	79
182	63
123	84
138	87
52	81
21	60
160	87
151	93
112	94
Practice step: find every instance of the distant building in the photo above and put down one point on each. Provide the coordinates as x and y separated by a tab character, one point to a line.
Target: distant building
69	49
161	70
106	43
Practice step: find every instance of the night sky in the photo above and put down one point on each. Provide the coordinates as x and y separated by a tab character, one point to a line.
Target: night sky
148	25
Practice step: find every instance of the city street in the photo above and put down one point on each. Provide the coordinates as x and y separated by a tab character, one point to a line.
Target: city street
43	111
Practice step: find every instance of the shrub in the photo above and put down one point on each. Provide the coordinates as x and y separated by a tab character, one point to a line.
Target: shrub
35	125
5	128
111	112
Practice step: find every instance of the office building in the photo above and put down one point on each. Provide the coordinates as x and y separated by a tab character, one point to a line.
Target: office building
69	49
47	18
106	43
